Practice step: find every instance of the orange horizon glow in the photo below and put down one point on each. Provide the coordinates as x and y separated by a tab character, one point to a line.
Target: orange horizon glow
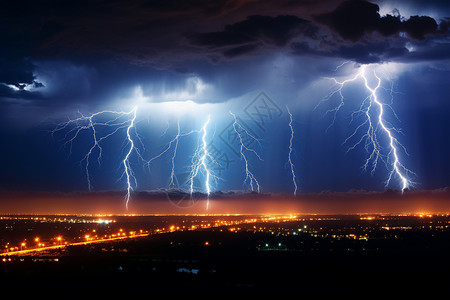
103	207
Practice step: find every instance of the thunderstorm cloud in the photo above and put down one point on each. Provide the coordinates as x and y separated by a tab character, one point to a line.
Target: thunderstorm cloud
49	44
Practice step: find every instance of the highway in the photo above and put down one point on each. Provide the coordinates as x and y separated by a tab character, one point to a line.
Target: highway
31	250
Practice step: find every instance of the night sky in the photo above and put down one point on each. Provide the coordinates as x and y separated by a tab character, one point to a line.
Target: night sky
178	62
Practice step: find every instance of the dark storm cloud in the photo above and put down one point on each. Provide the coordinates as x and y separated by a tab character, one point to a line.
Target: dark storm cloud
90	50
141	29
374	52
353	30
14	71
136	31
161	34
245	36
356	31
353	19
13	95
438	51
241	50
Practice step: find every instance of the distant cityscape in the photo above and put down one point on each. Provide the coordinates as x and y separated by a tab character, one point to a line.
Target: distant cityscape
233	253
39	235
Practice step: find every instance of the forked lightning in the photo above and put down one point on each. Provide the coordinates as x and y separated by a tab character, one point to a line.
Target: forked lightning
101	126
373	110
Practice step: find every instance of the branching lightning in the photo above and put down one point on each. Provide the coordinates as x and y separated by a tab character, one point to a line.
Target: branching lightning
372	109
174	142
101	131
291	164
126	161
249	176
199	161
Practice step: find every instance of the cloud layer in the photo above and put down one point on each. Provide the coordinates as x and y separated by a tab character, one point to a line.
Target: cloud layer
176	36
353	19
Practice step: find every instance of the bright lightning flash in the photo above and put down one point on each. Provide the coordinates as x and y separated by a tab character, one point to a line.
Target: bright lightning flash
200	161
174	142
373	110
126	161
291	164
240	131
100	131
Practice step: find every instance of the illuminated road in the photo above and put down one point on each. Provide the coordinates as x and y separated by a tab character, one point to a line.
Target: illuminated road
19	252
121	235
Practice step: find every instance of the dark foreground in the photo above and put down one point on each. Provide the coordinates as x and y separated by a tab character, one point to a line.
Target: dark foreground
212	263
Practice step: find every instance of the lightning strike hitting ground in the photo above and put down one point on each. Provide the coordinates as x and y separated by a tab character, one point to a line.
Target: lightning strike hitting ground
126	161
291	164
103	125
199	161
249	176
372	108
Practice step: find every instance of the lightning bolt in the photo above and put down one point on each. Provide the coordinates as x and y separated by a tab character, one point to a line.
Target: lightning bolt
291	164
173	143
199	158
249	176
373	110
126	161
199	161
100	131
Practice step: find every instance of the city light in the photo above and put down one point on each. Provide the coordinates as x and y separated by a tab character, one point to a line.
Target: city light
275	225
